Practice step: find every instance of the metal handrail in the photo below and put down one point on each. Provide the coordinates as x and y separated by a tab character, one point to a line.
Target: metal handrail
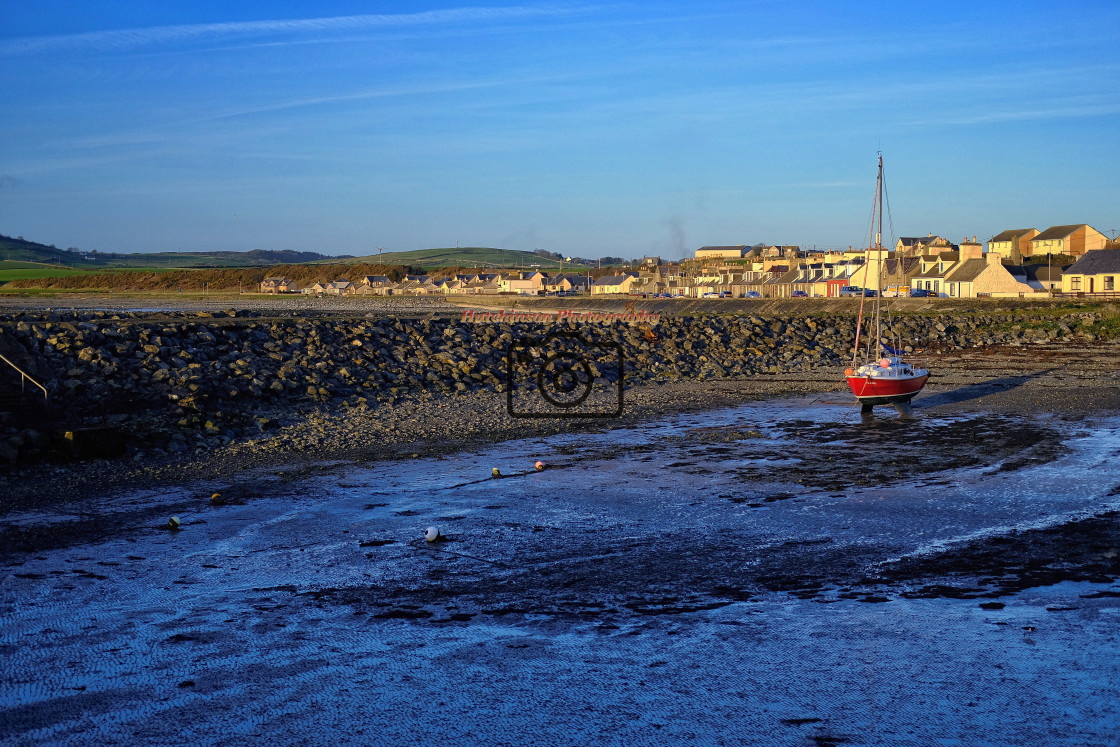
24	376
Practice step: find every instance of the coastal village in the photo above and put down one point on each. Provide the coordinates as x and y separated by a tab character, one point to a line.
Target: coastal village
1013	264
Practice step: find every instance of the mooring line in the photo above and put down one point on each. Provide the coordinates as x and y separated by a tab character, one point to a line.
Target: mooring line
504	477
434	546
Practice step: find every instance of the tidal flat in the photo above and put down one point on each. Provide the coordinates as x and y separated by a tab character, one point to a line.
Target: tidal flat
732	560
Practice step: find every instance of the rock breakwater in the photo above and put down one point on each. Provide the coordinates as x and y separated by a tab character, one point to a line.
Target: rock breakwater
186	380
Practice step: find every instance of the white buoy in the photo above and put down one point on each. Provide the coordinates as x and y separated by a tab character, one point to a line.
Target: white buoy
432	534
173	522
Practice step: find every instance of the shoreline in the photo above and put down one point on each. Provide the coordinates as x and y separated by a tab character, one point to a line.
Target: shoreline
1074	383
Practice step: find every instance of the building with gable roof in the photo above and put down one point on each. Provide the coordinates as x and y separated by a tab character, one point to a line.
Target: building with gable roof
1095	273
1074	240
1013	244
613	284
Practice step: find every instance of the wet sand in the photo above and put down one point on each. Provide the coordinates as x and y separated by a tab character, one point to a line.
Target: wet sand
778	571
1071	381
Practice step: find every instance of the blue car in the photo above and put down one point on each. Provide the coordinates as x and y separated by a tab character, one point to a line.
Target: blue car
800	294
919	293
753	294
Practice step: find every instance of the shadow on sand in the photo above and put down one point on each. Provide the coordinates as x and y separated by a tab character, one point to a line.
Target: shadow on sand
976	391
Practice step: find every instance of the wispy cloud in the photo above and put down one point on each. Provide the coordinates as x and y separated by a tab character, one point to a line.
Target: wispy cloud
827	185
390	92
125	39
1050	111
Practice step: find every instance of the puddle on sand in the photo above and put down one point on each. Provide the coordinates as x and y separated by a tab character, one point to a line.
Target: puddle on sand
662	544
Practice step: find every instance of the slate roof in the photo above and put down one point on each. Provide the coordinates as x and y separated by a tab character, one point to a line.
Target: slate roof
1058	232
1096	262
967	271
1042	273
612	279
891	266
580	280
1011	235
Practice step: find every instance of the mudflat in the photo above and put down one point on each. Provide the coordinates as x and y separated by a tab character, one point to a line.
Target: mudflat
733	556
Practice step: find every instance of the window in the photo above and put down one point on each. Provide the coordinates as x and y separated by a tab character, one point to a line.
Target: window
1108	282
1075	283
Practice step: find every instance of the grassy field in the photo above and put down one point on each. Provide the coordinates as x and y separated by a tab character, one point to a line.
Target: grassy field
16	270
467	256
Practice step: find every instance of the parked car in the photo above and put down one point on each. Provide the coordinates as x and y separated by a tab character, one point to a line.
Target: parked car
870	292
800	294
753	294
725	294
710	295
919	293
851	290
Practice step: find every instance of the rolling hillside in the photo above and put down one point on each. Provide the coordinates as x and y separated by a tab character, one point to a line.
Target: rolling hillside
21	250
14	250
467	256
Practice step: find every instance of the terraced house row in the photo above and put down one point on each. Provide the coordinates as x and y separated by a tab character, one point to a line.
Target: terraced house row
1010	267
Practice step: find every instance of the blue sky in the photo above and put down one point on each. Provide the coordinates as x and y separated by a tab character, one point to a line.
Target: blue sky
619	129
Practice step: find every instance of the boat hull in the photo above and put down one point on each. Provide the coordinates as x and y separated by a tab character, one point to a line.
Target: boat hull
885	391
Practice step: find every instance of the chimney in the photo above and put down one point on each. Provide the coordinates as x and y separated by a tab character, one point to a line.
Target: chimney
972	250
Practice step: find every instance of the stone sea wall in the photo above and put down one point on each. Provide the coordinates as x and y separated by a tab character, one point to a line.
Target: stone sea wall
221	375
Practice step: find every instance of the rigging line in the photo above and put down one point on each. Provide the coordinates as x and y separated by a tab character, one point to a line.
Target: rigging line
866	269
890	218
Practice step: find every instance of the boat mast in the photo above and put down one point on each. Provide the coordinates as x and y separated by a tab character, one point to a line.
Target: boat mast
879	268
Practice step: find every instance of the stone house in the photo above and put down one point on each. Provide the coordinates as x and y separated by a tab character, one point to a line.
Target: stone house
979	274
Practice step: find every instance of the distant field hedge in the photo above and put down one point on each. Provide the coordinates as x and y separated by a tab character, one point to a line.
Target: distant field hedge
194	280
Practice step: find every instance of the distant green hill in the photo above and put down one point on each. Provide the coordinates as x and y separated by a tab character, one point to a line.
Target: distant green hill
20	250
466	256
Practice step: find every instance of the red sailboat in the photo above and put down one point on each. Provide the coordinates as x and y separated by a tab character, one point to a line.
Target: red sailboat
882	379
